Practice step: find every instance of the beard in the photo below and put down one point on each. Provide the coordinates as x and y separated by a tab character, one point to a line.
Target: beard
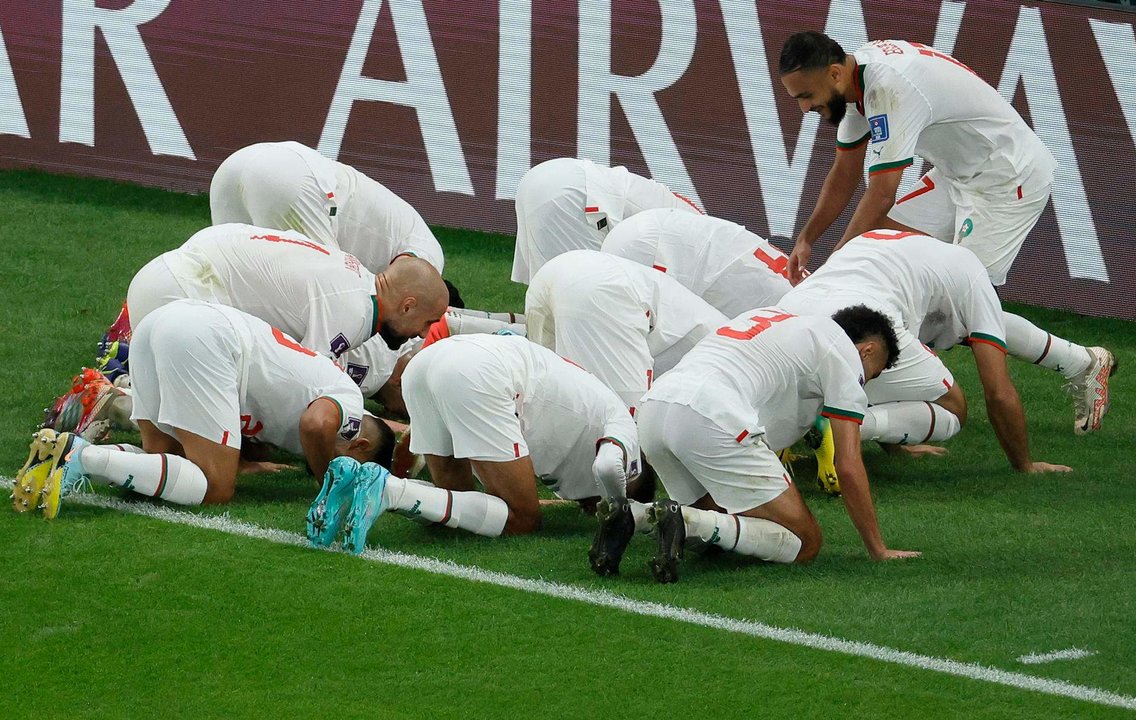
393	340
837	108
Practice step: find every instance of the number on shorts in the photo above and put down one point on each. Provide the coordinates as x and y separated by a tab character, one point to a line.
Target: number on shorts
290	343
758	324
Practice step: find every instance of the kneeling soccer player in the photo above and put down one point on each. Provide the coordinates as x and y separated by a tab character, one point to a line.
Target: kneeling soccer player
624	323
710	426
499	409
569	204
206	377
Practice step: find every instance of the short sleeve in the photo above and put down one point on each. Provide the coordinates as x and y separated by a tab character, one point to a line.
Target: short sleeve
349	401
853	130
841	383
985	322
896	114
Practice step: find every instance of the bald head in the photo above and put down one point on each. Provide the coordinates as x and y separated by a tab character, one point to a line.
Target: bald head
412	296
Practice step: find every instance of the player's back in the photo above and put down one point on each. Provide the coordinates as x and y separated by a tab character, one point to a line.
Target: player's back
592	284
273	274
376	225
694	249
902	274
281	378
766	368
563	410
972	134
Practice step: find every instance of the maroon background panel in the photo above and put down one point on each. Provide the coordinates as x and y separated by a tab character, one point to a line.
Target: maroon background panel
230	74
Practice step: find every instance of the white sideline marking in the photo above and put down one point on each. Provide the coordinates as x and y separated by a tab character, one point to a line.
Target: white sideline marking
603	598
1070	654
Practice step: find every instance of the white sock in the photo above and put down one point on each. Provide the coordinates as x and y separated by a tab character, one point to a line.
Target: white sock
1028	342
503	317
466	324
123	447
762	539
476	512
909	423
639	514
164	476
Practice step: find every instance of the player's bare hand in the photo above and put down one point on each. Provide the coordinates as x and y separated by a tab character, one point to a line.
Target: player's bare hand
923	450
253	467
798	259
1038	467
889	554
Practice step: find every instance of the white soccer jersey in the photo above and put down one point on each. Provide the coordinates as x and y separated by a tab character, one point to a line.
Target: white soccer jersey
940	293
624	322
224	374
498	398
320	295
769	372
289	186
719	261
569	204
915	100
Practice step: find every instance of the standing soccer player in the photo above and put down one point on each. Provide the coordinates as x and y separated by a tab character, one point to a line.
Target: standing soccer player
992	175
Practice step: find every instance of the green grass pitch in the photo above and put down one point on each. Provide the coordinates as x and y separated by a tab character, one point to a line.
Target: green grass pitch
111	615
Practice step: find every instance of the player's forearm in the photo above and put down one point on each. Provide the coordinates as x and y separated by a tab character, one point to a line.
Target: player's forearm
835	194
319	448
1009	420
858	502
871	213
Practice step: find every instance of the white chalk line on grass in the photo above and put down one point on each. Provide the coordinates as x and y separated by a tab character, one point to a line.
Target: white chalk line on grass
603	598
1070	654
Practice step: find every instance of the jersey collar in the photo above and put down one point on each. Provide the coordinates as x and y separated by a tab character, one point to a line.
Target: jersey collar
858	85
377	314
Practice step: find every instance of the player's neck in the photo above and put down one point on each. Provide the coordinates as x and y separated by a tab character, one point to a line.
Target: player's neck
850	91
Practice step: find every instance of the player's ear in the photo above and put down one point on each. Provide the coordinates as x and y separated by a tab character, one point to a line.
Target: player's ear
362	443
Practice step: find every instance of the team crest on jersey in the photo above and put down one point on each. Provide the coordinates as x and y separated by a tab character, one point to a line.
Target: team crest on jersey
351	428
339	345
966	229
357	372
879	125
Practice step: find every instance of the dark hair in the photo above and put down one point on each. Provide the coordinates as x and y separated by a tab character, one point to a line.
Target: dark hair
384	445
809	50
861	323
455	296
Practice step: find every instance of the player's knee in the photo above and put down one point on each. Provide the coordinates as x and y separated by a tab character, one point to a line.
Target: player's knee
220	488
218	494
954	401
522	522
811	541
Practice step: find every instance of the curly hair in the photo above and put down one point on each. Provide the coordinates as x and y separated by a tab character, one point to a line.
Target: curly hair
861	323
